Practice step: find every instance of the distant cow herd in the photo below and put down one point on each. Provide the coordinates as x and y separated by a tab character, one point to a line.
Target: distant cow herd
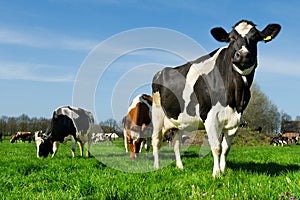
285	139
208	93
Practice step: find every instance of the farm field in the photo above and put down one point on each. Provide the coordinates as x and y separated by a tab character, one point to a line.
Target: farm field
253	172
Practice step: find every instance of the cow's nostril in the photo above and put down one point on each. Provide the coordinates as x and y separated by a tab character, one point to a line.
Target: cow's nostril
237	55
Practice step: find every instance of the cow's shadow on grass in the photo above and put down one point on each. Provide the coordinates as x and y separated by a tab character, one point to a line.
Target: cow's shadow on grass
272	169
190	154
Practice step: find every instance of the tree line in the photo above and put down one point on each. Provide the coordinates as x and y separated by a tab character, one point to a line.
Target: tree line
260	112
11	125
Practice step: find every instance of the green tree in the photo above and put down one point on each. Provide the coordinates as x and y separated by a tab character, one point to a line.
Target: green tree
285	116
261	112
110	126
11	125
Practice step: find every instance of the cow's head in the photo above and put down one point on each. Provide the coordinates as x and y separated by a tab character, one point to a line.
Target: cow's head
243	41
43	143
15	137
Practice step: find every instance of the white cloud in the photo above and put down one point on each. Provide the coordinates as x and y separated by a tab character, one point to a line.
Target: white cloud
33	72
39	38
279	64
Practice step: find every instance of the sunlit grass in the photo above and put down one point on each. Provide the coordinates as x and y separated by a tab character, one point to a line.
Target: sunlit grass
263	172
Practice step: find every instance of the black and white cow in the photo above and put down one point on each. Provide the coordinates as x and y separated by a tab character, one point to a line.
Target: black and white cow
210	92
280	140
67	123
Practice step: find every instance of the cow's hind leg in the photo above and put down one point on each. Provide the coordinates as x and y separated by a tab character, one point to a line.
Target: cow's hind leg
157	121
55	148
177	141
73	147
88	152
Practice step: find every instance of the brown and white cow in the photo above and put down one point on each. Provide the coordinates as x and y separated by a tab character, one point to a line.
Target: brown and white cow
137	125
22	135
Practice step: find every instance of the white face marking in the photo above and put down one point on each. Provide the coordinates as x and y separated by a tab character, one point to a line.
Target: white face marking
243	28
244	49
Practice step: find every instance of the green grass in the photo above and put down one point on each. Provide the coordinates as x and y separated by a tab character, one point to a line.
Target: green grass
253	172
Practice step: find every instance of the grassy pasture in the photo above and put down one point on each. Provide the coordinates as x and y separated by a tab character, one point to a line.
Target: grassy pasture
254	172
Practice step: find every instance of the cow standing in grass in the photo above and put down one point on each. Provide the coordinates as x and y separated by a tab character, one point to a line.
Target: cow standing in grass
67	123
137	125
211	92
22	135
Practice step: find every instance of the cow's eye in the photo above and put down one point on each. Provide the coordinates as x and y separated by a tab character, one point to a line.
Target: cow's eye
232	38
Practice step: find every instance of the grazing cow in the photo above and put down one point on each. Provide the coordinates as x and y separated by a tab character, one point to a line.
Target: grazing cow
292	137
24	136
98	137
294	140
280	140
210	92
66	122
137	124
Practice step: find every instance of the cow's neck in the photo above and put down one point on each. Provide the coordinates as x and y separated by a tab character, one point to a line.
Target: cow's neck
237	82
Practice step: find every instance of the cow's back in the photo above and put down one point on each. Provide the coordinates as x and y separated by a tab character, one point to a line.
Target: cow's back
171	91
73	121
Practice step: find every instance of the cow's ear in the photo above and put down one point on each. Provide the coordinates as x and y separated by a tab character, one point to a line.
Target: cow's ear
270	32
46	136
40	133
220	34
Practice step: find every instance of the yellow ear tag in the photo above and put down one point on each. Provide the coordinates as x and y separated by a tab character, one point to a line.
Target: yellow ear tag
267	38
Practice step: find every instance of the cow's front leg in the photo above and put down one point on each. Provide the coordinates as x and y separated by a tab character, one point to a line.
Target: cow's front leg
130	143
138	145
147	145
226	142
55	148
225	149
141	146
81	145
216	151
177	142
73	147
125	140
214	138
88	152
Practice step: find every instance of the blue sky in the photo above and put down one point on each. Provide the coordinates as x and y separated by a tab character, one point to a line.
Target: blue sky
45	44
